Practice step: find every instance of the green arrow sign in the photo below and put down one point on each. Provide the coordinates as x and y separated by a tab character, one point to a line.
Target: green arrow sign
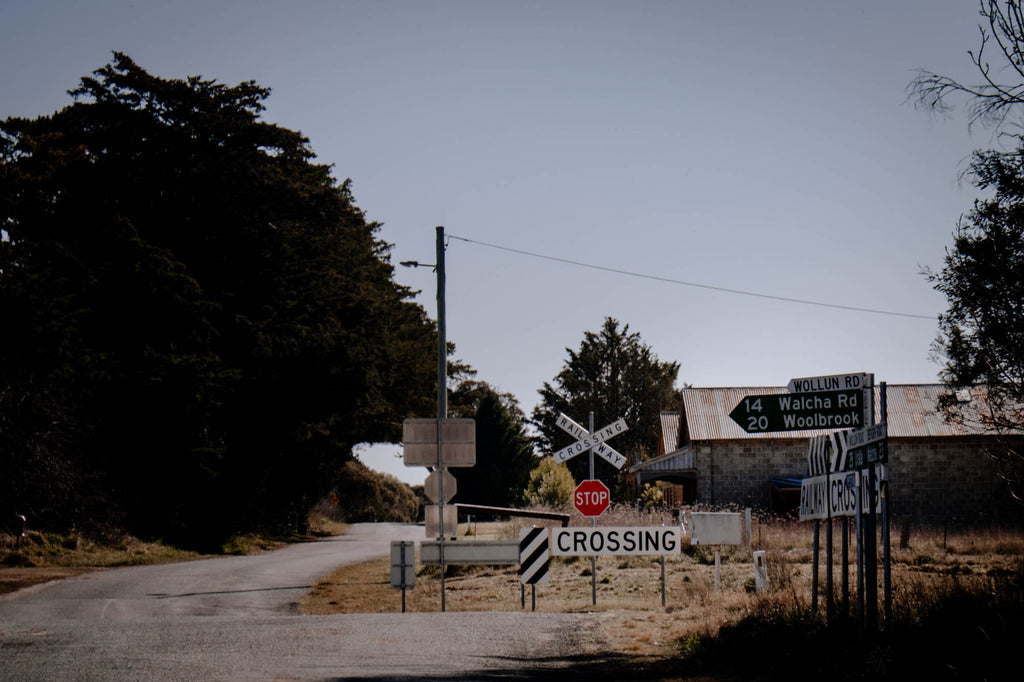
867	446
800	411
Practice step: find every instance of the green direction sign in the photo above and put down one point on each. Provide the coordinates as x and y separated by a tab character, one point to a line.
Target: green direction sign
867	446
800	411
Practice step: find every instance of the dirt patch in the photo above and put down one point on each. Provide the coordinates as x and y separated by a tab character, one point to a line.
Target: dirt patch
628	596
635	621
14	579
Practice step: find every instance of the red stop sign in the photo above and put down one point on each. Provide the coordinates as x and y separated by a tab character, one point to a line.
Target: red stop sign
591	498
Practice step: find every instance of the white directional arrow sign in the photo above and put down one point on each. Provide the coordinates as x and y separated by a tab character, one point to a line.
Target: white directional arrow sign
587	441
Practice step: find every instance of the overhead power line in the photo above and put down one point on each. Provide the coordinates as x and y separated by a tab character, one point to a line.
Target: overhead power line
741	292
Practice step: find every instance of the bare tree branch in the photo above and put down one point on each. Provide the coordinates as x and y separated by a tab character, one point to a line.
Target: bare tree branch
993	101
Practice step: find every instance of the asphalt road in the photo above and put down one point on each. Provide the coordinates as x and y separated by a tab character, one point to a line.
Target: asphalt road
235	618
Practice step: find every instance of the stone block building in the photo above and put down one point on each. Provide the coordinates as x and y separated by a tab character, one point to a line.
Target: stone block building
938	471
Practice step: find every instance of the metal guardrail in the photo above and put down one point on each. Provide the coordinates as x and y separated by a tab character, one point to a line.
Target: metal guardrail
551	516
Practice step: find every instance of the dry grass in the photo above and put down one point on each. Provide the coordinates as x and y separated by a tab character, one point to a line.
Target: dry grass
48	550
42	557
628	594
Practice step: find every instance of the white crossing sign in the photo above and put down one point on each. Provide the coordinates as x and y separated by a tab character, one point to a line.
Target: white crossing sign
534	556
834	495
616	541
591	441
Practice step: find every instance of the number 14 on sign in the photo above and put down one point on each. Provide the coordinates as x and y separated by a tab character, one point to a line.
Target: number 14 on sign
758	422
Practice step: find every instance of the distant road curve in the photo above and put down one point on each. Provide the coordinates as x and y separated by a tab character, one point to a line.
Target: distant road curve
235	618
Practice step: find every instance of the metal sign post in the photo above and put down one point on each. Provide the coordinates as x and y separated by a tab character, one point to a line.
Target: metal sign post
593	523
403	567
441	456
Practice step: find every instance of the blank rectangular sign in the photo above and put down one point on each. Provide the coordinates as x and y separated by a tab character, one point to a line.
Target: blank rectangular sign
716	528
486	552
432	520
403	564
458	443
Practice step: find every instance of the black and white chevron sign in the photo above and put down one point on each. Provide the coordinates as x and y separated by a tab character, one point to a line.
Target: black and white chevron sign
827	453
534	555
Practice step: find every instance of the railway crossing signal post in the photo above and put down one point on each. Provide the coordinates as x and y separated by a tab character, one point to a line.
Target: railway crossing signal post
592	442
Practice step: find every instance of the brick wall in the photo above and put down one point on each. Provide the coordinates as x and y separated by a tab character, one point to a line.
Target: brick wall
932	480
737	471
947	479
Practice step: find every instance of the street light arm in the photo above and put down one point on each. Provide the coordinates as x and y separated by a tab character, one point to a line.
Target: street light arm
416	264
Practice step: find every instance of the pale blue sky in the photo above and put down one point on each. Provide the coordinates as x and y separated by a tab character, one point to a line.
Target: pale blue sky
757	146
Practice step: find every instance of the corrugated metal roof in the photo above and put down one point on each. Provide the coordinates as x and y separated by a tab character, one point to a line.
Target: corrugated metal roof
669	432
912	412
677	460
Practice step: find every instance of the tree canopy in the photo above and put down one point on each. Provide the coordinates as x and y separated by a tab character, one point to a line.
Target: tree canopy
981	335
199	321
614	374
504	453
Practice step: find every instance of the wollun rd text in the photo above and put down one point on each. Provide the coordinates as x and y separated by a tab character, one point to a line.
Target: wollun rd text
833	383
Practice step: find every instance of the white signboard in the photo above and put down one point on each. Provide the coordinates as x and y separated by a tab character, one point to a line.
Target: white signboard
834	382
594	440
616	541
834	495
403	564
469	552
458	443
716	528
432	520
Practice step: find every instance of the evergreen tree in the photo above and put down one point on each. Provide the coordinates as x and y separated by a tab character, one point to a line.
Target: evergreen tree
981	335
195	308
614	375
504	454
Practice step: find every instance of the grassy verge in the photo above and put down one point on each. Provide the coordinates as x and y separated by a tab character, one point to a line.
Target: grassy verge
40	557
958	609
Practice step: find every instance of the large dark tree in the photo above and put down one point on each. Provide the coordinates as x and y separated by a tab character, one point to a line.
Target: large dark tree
614	374
504	454
199	323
